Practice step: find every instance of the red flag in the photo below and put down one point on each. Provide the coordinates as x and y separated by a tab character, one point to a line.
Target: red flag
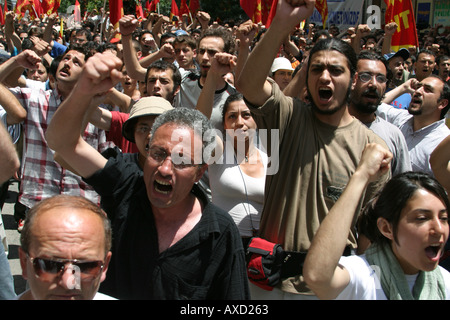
39	11
194	6
115	12
33	7
322	7
50	6
174	10
259	10
152	5
77	12
401	12
184	9
139	11
273	10
2	15
19	6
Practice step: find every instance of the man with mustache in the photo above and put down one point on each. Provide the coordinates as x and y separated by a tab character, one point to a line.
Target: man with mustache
41	176
424	65
423	124
369	89
169	241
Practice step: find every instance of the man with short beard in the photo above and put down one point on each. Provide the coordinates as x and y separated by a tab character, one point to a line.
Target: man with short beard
423	124
366	96
320	145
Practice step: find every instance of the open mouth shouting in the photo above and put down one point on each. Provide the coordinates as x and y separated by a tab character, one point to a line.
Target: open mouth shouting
162	186
65	72
325	94
434	251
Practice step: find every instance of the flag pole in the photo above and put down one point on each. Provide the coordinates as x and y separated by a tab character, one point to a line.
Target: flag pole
101	23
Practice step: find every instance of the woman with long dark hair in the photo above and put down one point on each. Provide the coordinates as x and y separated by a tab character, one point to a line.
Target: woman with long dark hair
407	225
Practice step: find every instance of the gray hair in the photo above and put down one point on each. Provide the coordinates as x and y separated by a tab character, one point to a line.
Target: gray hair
194	120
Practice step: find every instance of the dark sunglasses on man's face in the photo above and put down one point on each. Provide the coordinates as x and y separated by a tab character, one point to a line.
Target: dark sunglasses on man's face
49	269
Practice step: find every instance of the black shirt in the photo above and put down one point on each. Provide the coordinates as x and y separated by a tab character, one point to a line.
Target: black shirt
208	263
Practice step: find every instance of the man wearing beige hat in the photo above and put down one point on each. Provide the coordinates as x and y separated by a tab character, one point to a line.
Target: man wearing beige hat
170	242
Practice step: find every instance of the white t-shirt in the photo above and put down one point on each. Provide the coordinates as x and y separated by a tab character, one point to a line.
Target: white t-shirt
365	284
240	195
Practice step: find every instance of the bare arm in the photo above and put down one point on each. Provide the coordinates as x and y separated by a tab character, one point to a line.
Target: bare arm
119	99
101	118
406	87
11	36
253	80
15	112
439	161
221	64
361	31
389	31
99	74
8	156
245	34
166	51
331	238
127	25
11	69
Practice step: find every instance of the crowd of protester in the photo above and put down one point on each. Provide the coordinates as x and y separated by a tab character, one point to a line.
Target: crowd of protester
127	89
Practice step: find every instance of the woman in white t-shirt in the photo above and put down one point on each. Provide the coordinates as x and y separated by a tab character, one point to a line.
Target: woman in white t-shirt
407	225
237	177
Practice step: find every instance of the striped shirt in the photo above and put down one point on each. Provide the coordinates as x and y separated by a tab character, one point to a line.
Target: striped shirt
41	176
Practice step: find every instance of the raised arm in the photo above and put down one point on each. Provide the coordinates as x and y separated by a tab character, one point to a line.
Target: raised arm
11	69
252	81
389	31
221	64
8	156
245	34
15	112
439	161
100	74
12	38
127	25
408	86
329	242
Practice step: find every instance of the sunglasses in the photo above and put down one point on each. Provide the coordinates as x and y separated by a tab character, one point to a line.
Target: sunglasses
49	269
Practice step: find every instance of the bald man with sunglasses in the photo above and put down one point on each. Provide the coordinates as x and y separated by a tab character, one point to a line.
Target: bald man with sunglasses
65	250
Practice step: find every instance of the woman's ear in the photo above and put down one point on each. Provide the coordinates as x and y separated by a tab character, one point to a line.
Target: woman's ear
385	228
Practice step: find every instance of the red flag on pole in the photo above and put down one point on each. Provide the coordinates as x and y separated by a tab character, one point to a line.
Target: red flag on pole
2	15
174	10
39	11
139	11
33	7
322	7
401	12
194	6
115	12
152	5
259	10
50	6
19	5
77	12
184	9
